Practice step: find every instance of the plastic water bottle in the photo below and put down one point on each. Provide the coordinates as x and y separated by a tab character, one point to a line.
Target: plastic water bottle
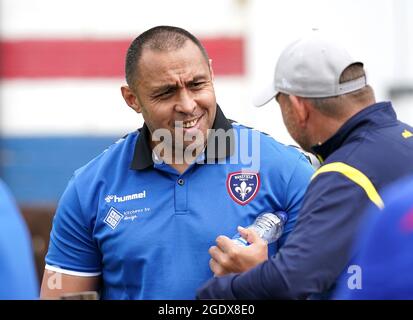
268	225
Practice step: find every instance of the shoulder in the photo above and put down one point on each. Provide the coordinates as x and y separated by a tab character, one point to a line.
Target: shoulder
88	183
269	144
8	207
90	180
381	156
344	181
276	161
119	153
4	192
7	202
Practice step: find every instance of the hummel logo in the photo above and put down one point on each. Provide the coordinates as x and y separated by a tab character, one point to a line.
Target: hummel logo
129	197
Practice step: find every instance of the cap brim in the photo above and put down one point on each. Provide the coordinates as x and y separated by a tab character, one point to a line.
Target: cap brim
264	96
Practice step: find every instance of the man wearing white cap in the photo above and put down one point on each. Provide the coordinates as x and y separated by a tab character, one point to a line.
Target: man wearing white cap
330	110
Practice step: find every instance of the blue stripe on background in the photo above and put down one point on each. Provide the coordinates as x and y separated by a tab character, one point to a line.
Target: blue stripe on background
38	169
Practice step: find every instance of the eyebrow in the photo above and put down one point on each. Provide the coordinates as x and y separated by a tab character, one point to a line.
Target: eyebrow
198	78
163	88
166	87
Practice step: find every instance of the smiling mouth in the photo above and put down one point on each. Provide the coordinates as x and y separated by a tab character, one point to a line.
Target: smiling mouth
191	123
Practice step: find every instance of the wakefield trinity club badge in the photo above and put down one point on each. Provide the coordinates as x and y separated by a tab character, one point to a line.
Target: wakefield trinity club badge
243	186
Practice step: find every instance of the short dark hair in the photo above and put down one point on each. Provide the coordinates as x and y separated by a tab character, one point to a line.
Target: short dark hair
160	38
333	106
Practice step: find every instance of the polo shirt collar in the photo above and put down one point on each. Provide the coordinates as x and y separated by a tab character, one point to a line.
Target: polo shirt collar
377	115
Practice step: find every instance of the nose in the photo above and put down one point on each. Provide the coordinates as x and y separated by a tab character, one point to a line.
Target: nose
186	103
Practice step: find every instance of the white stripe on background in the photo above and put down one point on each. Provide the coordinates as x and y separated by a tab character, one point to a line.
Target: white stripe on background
54	107
108	18
95	106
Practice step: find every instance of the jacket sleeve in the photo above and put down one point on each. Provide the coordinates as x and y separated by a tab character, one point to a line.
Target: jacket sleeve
294	194
315	253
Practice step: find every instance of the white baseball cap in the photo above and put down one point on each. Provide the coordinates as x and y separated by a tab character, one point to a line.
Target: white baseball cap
311	68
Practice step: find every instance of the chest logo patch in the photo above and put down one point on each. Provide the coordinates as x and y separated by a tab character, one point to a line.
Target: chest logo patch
113	218
243	186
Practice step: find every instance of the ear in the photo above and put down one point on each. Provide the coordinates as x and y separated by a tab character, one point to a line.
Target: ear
301	109
131	99
211	70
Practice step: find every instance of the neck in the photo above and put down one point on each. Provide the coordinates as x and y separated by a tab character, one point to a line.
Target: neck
326	126
325	129
179	167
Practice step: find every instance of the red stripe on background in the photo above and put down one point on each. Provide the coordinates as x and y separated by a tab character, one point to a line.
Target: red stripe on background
97	58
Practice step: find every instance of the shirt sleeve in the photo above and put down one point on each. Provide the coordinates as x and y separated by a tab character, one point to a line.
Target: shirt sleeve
72	249
315	253
297	186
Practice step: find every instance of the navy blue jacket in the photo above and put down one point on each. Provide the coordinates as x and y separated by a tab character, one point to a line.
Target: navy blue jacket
368	152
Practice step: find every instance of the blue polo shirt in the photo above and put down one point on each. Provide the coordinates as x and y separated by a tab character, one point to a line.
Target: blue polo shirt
146	228
18	279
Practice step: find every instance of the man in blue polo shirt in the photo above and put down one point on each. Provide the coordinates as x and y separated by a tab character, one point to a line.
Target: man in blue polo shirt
137	221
